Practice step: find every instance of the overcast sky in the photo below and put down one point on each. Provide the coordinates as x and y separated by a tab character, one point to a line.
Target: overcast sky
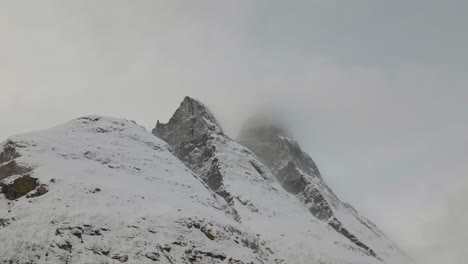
375	91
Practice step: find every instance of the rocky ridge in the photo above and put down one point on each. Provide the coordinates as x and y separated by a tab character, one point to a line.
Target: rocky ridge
201	146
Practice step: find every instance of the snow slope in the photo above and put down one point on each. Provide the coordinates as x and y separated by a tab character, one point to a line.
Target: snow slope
117	195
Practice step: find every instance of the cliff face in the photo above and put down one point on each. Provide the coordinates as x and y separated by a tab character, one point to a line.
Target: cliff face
195	137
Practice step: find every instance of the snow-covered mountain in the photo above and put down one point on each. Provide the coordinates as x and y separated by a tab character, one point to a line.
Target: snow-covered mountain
105	190
298	174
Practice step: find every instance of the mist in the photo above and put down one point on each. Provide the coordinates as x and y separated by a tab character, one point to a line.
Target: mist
374	91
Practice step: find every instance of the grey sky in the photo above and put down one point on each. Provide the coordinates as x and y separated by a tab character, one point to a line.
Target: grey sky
375	91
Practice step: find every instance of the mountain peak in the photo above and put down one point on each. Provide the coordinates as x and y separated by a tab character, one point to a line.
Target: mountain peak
190	121
299	175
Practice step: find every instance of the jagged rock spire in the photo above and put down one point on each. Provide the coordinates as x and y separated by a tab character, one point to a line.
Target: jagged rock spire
191	121
193	133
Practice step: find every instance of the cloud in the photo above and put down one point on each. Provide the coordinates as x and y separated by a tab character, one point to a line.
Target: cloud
375	91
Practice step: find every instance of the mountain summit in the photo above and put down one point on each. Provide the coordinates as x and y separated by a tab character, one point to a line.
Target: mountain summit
191	120
299	175
105	190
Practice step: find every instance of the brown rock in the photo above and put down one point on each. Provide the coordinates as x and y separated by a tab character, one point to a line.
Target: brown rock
12	168
41	190
19	187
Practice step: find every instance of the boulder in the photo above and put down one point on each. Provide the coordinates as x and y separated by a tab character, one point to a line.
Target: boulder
22	186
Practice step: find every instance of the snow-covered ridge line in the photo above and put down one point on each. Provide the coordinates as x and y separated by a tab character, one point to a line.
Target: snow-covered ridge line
117	194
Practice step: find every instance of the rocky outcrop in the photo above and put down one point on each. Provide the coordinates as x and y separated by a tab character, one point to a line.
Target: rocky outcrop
338	227
8	165
24	183
22	186
12	168
191	132
9	152
191	121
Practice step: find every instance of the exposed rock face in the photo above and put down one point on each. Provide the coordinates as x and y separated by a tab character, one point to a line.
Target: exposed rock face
12	168
9	152
295	169
192	132
39	191
191	121
21	186
8	165
297	173
272	144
